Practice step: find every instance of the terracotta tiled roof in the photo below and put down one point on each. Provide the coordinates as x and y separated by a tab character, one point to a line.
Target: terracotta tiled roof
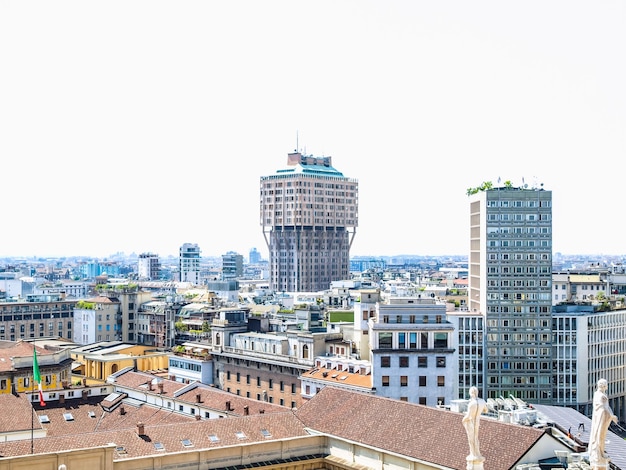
20	417
417	431
332	376
210	397
123	431
10	349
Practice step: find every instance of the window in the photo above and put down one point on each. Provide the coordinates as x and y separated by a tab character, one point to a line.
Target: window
422	361
421	400
385	361
422	380
441	381
441	361
404	381
404	361
385	380
384	340
293	388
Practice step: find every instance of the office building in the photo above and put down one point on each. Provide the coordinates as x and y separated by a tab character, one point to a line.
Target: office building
309	215
510	284
189	263
588	345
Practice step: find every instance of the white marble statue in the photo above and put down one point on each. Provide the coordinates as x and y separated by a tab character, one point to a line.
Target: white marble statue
471	421
600	422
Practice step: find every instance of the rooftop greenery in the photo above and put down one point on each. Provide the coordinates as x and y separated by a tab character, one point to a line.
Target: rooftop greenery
485	186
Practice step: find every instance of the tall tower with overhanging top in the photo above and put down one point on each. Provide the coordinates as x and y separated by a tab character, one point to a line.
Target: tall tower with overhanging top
309	215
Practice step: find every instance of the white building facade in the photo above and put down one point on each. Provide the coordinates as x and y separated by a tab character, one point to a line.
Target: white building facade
412	353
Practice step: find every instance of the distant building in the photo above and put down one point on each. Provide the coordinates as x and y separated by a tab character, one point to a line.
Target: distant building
309	214
37	316
232	266
189	263
255	256
148	267
93	269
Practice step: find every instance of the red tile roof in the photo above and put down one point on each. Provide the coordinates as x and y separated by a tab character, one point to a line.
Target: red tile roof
417	431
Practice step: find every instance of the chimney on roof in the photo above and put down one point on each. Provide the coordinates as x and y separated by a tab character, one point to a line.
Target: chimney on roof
261	411
228	406
161	388
246	410
122	411
141	429
198	398
150	385
198	417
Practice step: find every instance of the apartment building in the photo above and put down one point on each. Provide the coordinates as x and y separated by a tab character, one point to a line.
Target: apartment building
189	263
232	266
309	215
37	316
412	351
510	284
149	267
253	362
97	319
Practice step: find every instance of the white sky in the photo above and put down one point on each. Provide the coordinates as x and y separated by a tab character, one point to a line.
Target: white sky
136	126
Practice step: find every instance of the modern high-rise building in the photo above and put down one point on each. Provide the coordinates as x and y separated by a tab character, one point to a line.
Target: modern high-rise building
148	266
189	263
232	266
309	215
510	284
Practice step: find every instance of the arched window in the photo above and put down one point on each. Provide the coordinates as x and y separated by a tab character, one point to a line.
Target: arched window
217	339
305	352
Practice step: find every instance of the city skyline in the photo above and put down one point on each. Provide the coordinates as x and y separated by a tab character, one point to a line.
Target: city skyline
141	126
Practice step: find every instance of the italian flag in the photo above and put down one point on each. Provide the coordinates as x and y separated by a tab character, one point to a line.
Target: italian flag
37	377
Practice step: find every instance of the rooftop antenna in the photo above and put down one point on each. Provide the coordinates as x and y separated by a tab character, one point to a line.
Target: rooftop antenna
297	144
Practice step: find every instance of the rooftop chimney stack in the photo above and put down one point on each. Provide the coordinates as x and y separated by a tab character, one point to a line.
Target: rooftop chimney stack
141	429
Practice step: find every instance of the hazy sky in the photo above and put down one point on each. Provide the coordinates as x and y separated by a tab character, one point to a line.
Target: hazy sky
136	126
